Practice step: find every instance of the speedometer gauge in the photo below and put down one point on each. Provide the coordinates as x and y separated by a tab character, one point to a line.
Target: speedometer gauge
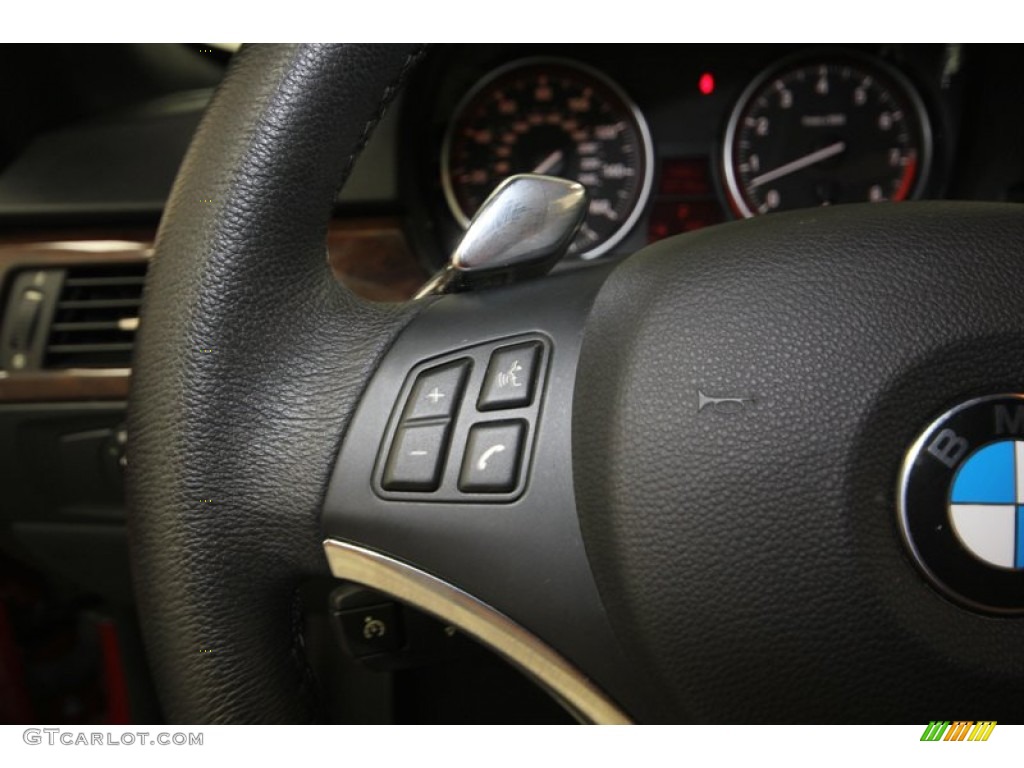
560	119
824	132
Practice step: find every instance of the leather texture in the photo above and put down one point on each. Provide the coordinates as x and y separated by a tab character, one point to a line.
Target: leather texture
249	362
752	560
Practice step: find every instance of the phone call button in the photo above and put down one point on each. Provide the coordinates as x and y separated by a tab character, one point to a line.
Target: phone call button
491	460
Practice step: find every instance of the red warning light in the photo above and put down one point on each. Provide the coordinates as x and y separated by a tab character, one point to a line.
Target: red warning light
706	84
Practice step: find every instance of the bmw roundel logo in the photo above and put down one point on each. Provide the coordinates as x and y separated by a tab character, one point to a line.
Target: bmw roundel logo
961	505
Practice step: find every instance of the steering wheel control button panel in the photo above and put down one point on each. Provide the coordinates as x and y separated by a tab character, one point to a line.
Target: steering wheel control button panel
463	425
437	391
416	458
491	461
510	377
962	503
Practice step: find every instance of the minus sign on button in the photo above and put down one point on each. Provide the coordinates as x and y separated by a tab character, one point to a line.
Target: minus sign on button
417	453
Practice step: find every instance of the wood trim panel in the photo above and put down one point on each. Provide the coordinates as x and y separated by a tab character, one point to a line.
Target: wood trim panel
370	256
373	259
64	386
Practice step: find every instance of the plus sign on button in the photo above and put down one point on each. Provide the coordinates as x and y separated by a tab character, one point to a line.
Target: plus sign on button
437	391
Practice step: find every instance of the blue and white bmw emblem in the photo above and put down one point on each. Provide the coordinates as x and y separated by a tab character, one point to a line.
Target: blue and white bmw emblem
961	505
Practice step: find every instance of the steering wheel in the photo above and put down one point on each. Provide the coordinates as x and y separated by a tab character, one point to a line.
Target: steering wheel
693	515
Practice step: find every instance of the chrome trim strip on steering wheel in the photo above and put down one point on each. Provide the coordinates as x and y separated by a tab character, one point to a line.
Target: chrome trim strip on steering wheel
493	629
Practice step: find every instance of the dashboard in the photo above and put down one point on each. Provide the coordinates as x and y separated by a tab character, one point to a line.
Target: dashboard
670	139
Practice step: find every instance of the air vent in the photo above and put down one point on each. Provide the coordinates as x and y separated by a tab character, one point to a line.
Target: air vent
96	316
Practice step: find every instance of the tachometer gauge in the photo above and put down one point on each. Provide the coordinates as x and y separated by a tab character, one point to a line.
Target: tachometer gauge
560	119
824	132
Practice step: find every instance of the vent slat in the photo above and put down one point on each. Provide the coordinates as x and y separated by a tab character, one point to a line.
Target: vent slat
63	349
108	325
100	282
96	316
99	304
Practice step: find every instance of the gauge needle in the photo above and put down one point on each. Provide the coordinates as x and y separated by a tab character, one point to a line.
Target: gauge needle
549	162
799	164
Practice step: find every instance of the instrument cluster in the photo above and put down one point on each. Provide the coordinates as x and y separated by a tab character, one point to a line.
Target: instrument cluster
670	139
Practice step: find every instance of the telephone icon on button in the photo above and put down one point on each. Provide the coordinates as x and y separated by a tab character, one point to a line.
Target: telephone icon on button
486	455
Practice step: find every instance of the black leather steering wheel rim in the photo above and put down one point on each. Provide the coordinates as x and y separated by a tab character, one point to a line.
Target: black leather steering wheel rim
249	361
